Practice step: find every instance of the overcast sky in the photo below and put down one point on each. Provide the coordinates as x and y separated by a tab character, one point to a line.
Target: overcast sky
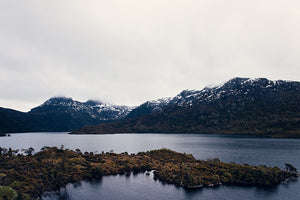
130	51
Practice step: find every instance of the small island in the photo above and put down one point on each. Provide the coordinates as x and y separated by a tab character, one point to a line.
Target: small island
28	176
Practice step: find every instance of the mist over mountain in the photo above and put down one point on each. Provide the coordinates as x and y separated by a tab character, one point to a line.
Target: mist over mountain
239	106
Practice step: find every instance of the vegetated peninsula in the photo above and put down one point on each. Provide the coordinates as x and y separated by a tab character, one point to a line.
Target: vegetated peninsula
259	107
29	176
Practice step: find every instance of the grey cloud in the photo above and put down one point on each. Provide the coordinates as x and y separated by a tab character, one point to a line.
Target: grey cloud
130	51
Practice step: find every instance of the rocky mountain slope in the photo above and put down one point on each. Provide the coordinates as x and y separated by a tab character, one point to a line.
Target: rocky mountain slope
239	106
149	107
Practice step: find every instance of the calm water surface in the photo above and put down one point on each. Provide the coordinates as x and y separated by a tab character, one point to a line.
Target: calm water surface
239	149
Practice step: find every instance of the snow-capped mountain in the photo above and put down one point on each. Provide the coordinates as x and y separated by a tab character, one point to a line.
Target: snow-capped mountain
149	107
96	109
233	88
239	106
236	87
65	114
61	114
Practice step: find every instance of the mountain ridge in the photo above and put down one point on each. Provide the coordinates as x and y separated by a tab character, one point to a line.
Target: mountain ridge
239	106
61	114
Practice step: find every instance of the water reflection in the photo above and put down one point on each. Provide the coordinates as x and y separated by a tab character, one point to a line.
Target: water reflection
142	186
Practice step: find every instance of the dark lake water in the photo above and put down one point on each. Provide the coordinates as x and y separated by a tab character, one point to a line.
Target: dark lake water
239	149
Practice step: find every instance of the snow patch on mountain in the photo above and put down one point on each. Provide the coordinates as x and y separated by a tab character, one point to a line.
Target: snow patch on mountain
233	87
96	109
236	87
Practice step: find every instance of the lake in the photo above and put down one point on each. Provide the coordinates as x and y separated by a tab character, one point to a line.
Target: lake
238	149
